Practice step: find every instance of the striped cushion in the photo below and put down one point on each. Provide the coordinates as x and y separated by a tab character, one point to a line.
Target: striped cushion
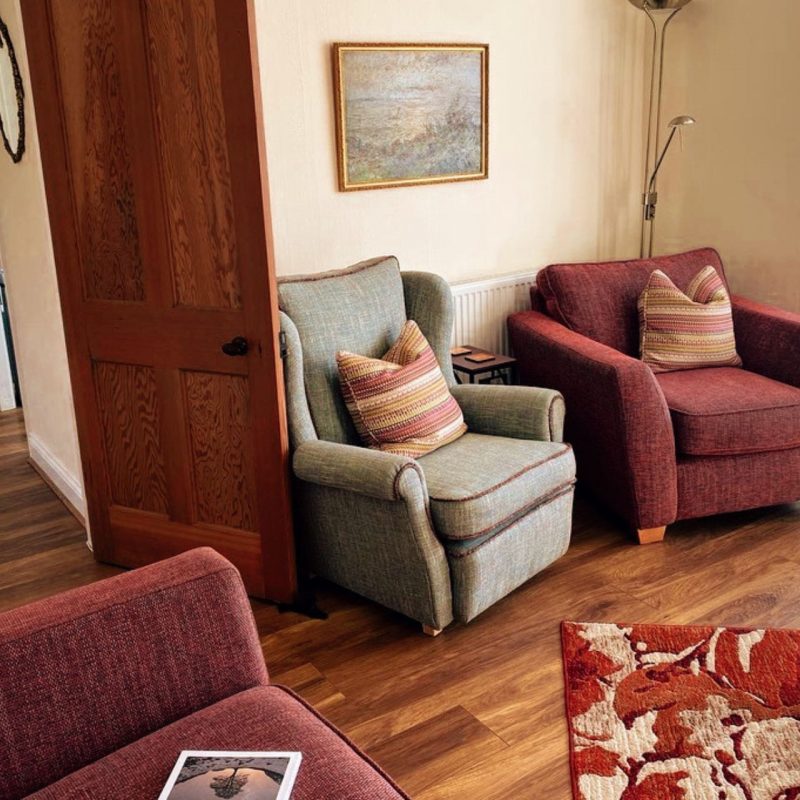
687	330
400	403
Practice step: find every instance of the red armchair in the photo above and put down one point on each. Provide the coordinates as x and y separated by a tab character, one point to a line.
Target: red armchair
657	448
103	686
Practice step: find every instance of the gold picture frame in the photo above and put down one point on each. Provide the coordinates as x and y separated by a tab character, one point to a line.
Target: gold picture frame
409	113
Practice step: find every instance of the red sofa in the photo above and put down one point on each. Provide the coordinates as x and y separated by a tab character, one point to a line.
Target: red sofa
657	448
103	686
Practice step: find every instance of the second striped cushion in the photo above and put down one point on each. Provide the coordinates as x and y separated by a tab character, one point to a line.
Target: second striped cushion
687	330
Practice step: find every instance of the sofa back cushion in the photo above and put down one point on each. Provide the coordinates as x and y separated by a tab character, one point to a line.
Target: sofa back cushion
599	300
361	309
87	672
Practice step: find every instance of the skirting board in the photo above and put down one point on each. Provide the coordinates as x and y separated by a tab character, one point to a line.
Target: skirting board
68	489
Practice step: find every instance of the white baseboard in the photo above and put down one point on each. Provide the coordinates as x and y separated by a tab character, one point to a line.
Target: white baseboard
68	484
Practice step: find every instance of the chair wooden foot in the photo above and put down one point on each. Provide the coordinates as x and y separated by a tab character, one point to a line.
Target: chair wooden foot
429	631
651	535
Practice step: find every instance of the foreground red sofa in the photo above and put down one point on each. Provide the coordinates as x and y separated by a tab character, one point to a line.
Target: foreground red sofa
671	446
103	686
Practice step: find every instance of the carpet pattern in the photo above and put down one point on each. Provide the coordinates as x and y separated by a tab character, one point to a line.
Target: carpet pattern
682	713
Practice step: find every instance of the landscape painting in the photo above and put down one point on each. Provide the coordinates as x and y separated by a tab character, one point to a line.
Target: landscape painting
409	114
243	776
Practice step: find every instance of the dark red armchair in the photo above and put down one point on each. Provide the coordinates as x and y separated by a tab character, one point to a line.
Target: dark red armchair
657	448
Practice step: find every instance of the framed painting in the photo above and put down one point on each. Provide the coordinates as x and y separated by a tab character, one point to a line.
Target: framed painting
408	114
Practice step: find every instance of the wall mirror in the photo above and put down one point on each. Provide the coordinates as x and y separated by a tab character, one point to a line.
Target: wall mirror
12	96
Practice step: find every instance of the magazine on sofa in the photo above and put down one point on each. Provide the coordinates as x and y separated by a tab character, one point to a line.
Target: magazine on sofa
211	774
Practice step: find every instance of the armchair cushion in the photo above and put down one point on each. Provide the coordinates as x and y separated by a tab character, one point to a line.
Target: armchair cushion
687	330
725	411
599	300
479	483
400	403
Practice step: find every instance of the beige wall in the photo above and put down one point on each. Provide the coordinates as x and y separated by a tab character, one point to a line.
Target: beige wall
735	66
27	256
566	100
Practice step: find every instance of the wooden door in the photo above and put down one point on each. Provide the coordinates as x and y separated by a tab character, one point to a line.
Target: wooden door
149	123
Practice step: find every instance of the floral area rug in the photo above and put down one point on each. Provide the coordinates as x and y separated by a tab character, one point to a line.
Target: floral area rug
662	712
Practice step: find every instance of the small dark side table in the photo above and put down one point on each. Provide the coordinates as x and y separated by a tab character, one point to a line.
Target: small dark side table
497	367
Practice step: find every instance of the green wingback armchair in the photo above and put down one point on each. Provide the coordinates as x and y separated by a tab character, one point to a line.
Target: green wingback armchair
444	536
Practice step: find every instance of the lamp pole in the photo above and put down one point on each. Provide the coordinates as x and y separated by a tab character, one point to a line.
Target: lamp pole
660	13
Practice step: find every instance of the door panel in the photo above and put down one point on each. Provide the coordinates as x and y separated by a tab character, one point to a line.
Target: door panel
153	157
129	408
96	126
186	86
218	409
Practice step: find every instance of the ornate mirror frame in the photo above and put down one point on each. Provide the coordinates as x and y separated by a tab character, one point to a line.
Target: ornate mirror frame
5	44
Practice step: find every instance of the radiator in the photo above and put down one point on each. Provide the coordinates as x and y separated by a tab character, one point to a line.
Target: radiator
481	308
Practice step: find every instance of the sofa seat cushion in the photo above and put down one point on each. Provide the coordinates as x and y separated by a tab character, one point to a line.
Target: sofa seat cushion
264	718
480	484
726	411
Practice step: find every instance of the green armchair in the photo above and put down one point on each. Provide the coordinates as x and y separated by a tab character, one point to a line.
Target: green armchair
438	538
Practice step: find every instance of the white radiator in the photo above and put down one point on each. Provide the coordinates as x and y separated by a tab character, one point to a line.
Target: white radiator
481	309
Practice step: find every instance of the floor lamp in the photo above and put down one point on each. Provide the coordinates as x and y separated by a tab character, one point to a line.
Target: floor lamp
660	13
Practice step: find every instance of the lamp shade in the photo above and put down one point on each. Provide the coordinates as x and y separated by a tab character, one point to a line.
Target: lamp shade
682	120
660	5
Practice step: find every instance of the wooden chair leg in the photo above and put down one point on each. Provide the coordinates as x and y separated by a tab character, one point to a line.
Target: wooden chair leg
651	535
429	631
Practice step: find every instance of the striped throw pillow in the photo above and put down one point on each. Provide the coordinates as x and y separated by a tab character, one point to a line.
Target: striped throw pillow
687	330
400	403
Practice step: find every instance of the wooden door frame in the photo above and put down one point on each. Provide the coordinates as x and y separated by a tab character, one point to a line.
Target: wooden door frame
243	109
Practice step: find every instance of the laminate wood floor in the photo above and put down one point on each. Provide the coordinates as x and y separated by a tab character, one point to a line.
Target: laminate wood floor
478	711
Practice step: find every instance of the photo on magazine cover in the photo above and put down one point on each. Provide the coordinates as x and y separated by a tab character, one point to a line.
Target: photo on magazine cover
239	776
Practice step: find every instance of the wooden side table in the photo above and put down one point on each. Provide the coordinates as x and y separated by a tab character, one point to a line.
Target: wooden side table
467	371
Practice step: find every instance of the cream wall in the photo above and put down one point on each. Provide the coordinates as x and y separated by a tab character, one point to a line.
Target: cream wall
27	256
735	66
566	109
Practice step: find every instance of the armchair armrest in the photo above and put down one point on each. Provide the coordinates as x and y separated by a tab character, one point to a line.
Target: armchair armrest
618	420
373	473
519	412
768	340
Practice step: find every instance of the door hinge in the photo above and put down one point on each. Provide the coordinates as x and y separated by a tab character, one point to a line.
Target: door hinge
284	348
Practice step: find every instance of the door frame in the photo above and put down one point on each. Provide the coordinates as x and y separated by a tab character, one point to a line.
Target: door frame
9	388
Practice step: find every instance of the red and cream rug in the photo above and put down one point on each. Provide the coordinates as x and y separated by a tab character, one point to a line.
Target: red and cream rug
662	712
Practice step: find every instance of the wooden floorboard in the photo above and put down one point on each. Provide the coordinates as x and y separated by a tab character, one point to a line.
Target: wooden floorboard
478	711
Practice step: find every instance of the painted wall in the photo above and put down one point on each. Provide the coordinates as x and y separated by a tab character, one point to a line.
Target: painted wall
27	256
735	66
566	109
